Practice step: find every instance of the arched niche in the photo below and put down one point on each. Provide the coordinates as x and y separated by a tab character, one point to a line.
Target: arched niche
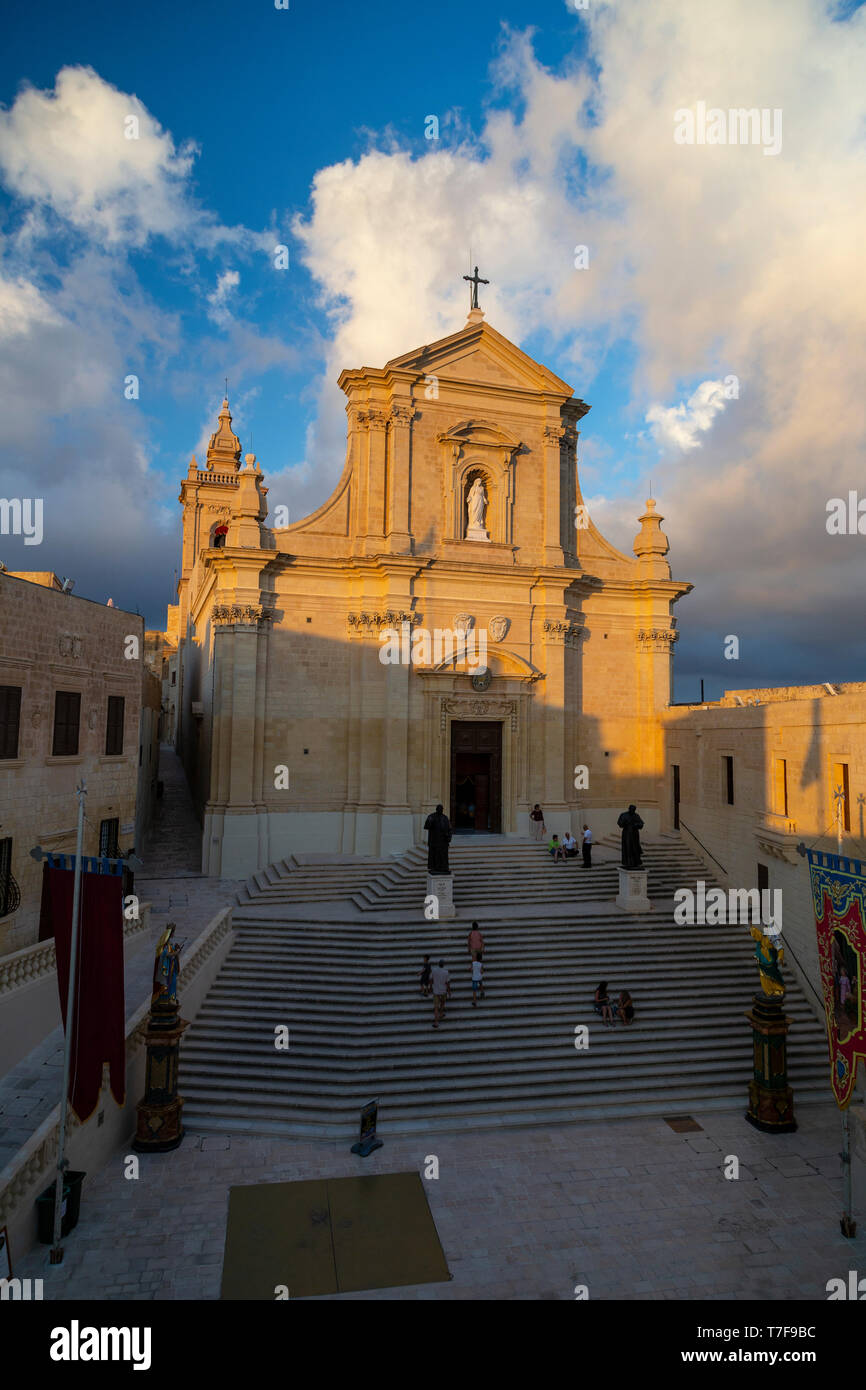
477	448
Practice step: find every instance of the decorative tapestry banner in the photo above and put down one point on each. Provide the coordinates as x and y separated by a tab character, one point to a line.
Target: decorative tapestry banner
839	902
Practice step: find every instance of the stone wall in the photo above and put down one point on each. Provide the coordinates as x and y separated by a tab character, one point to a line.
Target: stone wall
55	641
812	732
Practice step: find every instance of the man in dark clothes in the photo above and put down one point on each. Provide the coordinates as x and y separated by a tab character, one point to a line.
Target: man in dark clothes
630	823
438	828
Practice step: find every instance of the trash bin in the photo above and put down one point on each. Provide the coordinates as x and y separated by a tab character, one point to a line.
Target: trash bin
71	1207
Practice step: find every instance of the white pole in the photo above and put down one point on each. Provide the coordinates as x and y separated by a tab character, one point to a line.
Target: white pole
57	1248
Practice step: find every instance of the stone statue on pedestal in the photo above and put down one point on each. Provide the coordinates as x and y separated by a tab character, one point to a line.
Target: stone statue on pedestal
630	824
438	828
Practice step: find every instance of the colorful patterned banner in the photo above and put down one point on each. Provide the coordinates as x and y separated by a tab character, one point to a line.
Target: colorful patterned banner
839	901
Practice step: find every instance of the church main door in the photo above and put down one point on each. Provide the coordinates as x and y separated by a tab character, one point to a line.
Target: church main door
476	776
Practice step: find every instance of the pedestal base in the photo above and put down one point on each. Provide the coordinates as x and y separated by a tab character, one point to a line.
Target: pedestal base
478	533
160	1127
771	1100
369	1146
632	895
441	887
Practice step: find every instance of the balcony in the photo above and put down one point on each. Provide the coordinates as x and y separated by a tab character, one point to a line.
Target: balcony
776	836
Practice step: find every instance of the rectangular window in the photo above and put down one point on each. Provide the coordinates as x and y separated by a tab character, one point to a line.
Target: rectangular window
676	790
728	768
839	782
780	774
10	898
763	878
10	720
174	677
67	717
114	724
108	833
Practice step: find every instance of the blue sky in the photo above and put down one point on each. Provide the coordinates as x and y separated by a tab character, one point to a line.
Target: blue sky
306	127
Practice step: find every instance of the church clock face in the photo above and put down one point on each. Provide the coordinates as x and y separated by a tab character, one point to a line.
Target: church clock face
481	680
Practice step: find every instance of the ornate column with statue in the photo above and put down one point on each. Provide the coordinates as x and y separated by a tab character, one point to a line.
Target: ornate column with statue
160	1123
771	1100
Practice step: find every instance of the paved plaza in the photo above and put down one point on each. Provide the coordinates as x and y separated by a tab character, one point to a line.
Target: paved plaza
628	1208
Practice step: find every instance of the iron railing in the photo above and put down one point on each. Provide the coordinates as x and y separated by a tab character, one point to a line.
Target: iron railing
10	895
683	826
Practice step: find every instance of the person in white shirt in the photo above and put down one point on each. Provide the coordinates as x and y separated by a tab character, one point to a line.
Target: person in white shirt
569	844
587	847
477	980
441	991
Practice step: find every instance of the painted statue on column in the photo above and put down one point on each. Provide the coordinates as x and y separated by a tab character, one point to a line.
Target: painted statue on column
166	967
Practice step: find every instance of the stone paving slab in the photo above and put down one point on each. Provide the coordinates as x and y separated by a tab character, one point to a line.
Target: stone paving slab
527	1214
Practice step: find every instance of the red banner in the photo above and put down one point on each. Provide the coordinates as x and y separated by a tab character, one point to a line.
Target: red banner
839	902
99	1032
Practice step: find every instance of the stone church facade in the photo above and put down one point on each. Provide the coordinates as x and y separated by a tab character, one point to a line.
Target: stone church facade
298	737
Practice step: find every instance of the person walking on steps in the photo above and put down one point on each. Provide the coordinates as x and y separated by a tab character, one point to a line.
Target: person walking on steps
475	942
441	991
426	973
477	980
536	822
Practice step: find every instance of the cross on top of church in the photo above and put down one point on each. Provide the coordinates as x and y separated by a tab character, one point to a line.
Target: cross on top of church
475	280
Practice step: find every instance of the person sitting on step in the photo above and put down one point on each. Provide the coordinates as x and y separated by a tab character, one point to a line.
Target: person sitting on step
625	1007
569	844
556	850
601	1004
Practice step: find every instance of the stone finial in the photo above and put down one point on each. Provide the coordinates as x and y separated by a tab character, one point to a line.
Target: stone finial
193	467
248	508
651	544
224	449
475	316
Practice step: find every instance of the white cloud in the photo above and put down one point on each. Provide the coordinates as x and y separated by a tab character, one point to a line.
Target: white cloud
68	152
680	426
219	297
705	260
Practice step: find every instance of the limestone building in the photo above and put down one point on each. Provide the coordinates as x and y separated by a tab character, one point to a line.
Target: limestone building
297	736
70	709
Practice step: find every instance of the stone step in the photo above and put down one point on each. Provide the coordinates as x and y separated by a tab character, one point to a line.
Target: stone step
347	989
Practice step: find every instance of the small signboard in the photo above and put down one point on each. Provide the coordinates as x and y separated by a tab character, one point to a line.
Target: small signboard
368	1141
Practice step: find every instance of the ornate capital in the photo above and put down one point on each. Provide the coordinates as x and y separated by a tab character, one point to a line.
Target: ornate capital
372	418
249	614
402	414
553	434
567	633
370	624
656	639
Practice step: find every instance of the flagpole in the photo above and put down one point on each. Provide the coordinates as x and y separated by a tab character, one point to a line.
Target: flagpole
847	1223
57	1249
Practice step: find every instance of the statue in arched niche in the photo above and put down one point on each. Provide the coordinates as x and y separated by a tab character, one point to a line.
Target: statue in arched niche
476	509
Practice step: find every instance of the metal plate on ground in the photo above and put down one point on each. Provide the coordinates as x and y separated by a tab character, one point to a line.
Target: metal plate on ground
336	1235
682	1124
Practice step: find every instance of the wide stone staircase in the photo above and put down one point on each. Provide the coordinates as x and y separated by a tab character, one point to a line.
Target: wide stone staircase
487	871
347	990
